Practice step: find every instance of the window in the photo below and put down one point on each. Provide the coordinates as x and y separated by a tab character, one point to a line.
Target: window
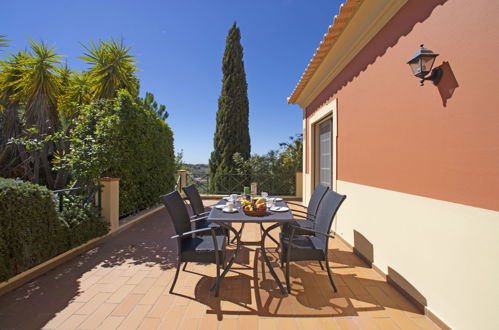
325	152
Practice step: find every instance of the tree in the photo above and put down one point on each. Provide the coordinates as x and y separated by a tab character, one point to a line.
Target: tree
38	87
10	155
159	109
232	131
111	68
274	171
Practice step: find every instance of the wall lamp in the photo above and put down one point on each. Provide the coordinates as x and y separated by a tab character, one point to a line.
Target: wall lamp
422	62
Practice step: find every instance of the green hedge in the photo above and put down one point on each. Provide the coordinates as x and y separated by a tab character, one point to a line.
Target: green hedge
32	231
126	139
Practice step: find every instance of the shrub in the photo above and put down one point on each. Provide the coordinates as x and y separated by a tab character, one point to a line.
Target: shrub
83	220
30	229
125	138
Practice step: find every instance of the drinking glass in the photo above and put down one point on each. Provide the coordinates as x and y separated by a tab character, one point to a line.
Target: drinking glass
265	194
270	203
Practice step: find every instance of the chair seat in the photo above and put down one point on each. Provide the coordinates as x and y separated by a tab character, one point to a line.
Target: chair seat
207	224
301	224
304	247
201	248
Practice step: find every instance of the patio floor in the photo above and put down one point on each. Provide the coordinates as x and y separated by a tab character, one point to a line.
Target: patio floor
124	284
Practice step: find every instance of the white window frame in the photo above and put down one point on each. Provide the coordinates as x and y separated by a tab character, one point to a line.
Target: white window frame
326	112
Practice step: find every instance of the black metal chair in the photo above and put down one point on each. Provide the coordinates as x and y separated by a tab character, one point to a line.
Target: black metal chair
308	213
198	248
200	214
313	246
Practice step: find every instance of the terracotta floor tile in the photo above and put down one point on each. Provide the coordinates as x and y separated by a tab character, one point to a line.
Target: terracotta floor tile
93	304
172	318
267	323
135	317
95	320
424	323
114	286
346	323
72	322
161	306
127	305
209	321
112	322
138	277
152	295
149	324
87	294
121	293
144	285
231	324
387	324
248	322
89	281
191	324
63	315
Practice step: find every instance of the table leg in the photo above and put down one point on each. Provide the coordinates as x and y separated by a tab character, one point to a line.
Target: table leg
272	238
227	268
266	258
240	233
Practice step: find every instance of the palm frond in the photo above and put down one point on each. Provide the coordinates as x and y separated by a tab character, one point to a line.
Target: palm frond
41	85
112	67
3	40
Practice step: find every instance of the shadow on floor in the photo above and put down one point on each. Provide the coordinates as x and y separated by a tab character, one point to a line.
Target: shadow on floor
145	243
311	295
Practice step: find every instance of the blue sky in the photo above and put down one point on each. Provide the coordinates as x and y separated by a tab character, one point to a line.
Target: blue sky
180	46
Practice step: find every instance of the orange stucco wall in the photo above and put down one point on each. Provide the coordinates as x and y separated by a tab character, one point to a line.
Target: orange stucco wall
440	141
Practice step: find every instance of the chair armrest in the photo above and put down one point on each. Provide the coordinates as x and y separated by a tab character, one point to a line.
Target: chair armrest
308	214
191	232
201	218
199	215
312	231
300	216
297	204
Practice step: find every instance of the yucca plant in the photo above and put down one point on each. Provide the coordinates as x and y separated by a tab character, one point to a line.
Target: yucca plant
74	92
111	68
10	74
11	156
39	86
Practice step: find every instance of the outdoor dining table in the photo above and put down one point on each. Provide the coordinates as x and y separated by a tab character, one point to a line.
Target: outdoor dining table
225	219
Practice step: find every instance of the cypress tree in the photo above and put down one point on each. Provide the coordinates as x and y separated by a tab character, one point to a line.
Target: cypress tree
232	130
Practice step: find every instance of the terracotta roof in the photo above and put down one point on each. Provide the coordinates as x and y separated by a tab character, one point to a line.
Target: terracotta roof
347	10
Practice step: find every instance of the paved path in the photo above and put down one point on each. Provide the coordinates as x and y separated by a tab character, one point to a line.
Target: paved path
124	283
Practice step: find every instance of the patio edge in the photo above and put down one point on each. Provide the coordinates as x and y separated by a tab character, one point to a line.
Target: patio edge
38	270
428	313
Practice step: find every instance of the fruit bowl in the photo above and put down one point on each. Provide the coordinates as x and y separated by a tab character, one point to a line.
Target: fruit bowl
255	213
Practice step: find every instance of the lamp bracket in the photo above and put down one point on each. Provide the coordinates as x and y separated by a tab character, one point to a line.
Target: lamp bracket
435	76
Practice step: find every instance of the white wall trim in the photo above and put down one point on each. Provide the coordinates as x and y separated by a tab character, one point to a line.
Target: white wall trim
370	18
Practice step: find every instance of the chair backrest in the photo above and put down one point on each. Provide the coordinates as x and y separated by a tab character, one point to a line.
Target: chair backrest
316	198
194	198
327	210
178	213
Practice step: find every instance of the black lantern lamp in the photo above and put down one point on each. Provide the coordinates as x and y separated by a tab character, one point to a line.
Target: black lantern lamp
421	64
